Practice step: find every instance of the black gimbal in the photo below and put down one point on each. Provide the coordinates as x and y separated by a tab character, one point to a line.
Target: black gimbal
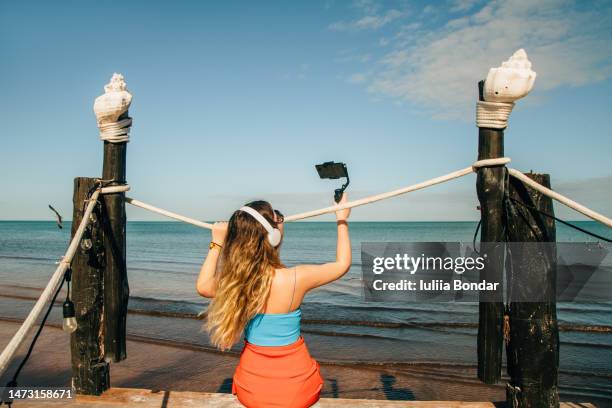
332	170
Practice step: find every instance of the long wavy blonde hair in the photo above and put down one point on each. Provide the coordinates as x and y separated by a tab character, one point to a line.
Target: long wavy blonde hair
244	279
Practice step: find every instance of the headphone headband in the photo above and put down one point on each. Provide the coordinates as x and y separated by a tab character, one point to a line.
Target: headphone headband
274	235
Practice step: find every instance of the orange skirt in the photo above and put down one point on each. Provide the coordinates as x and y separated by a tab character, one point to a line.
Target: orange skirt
277	376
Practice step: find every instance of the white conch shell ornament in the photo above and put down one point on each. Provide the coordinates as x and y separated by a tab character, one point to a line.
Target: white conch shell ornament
512	81
114	102
109	107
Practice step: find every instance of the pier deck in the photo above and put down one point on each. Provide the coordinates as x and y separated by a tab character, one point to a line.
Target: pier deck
141	398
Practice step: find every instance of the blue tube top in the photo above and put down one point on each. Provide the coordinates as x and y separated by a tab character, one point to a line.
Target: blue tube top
274	329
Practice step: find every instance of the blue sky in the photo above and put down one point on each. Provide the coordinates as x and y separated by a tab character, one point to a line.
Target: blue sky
238	100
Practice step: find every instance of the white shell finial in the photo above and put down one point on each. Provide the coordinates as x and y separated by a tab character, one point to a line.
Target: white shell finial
511	81
114	102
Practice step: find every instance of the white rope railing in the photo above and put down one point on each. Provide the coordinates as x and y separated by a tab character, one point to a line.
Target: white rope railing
168	214
10	350
561	198
356	203
383	196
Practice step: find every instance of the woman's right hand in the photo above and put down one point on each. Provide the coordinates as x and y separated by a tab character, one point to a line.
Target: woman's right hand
343	215
219	231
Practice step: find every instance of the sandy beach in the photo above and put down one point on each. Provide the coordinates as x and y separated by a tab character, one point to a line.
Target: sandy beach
153	365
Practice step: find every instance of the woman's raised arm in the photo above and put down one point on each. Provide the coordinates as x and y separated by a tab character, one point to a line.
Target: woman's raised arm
206	284
312	276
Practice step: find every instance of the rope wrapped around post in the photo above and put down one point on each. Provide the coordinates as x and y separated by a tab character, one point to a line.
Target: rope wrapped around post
493	115
115	189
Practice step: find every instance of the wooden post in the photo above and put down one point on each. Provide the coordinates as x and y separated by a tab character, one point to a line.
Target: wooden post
116	288
90	372
490	190
533	348
111	110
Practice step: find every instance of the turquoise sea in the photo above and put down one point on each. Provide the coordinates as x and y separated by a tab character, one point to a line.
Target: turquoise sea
164	259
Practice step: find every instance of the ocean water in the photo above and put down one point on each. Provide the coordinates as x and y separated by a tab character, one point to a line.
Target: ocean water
164	259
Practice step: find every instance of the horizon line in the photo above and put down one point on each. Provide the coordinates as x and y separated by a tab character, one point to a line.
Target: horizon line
291	222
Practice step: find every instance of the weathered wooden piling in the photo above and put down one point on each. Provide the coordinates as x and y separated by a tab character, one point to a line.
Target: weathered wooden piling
116	288
90	371
100	286
490	190
114	123
533	347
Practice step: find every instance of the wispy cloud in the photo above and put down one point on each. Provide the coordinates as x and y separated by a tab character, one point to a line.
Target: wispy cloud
299	74
366	6
356	78
370	16
351	56
436	66
371	22
462	5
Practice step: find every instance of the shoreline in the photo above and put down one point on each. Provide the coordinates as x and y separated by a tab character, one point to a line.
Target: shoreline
31	293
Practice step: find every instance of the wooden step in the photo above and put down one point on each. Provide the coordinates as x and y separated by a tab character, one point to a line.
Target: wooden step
140	398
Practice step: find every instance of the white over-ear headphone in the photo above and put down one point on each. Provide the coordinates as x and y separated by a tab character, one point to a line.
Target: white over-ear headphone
274	235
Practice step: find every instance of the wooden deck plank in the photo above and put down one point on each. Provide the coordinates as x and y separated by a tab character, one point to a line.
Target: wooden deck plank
141	398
